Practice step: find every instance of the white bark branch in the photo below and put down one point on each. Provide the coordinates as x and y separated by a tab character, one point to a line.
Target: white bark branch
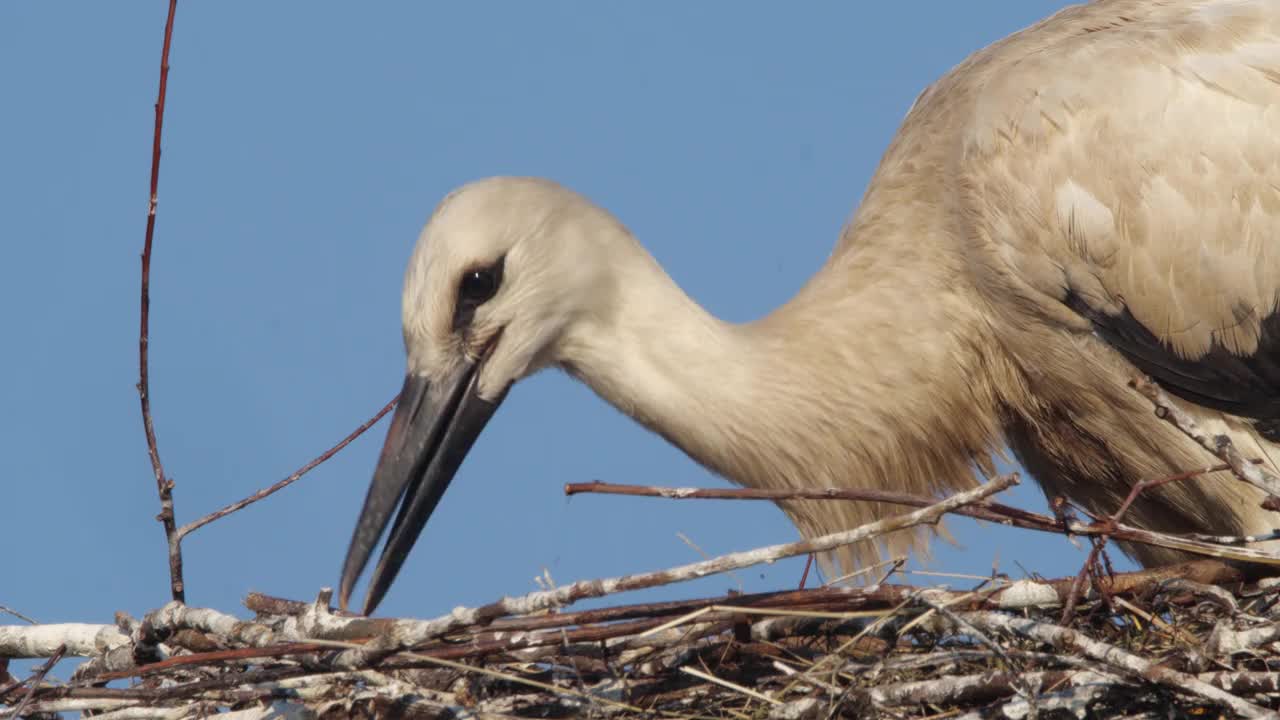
40	641
175	615
1220	445
1116	658
1082	689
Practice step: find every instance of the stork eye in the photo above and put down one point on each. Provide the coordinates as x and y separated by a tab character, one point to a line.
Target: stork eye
475	289
478	286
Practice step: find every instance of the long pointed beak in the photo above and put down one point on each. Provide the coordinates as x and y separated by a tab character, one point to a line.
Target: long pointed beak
434	426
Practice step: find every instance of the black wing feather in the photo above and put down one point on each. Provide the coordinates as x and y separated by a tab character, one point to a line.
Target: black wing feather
1245	386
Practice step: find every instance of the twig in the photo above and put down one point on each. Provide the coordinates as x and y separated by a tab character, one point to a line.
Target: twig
1115	657
194	525
164	485
1077	585
34	682
984	510
951	689
1076	699
694	546
15	613
1111	523
351	647
732	686
1220	445
1236	539
942	609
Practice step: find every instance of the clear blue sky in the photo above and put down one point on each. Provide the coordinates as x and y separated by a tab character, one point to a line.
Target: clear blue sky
305	144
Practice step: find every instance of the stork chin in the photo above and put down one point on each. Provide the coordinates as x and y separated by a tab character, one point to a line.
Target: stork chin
435	424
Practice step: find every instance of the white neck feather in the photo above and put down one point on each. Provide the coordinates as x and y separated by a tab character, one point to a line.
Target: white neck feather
835	388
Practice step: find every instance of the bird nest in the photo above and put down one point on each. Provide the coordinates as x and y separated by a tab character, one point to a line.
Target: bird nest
1180	641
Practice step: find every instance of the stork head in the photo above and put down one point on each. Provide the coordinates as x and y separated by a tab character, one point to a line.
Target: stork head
502	269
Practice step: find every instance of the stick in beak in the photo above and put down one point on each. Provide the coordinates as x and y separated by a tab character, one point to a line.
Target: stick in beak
434	426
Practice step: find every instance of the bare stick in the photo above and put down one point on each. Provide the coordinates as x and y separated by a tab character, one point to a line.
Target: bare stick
40	641
322	457
984	510
405	636
1074	697
164	486
1236	539
36	680
1065	638
15	613
1113	522
1220	445
950	689
732	686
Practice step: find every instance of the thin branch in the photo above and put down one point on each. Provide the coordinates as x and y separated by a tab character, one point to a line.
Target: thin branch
1236	539
1076	696
984	510
1245	470
34	682
164	485
949	689
1065	638
322	457
15	613
732	686
1220	445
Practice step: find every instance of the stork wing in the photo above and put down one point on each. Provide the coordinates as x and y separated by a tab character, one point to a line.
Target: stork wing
1126	164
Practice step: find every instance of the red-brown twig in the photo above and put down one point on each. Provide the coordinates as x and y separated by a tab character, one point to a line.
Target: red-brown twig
983	510
164	486
34	682
322	457
1109	526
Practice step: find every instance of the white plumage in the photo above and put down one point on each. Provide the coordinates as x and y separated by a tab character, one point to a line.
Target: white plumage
1093	197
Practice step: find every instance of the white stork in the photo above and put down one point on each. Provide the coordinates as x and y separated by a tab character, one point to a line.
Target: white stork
1091	198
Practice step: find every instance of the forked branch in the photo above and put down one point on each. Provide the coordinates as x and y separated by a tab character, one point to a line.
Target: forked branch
164	484
1220	445
292	478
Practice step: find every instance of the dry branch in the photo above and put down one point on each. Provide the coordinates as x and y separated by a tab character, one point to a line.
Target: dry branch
985	510
1220	445
41	641
164	485
194	525
1112	656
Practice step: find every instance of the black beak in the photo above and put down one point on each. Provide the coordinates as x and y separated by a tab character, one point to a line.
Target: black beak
434	426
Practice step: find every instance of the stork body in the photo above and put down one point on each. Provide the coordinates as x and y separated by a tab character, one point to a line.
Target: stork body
1090	198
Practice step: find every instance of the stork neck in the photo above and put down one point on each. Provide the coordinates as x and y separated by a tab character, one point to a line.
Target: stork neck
840	380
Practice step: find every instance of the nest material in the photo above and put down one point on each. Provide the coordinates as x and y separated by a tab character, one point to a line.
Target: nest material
1188	641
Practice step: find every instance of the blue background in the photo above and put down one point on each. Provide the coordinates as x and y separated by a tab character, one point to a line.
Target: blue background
305	145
